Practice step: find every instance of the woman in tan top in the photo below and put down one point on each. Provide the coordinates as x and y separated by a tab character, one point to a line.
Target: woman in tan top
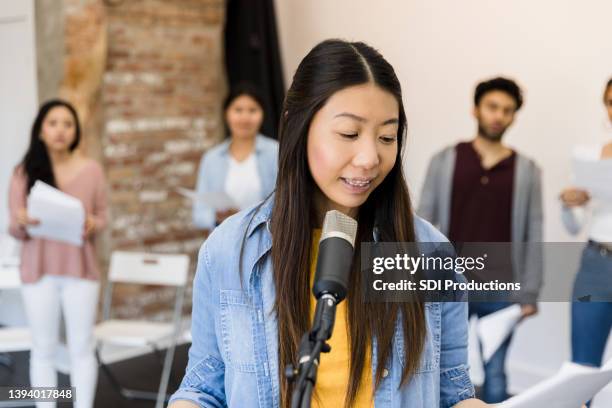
58	276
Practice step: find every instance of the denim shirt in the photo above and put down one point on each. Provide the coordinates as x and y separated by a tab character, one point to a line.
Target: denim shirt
213	173
233	360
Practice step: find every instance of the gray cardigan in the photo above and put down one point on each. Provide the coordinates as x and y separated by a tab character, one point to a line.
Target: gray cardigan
527	215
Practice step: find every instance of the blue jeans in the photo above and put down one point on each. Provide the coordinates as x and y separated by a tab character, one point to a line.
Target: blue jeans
495	382
592	321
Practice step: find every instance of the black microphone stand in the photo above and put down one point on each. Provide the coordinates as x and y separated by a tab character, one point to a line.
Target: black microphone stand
312	344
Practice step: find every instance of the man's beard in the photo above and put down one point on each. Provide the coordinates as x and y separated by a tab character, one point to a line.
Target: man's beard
494	137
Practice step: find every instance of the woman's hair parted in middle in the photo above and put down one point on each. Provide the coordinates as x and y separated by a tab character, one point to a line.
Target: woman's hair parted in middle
329	67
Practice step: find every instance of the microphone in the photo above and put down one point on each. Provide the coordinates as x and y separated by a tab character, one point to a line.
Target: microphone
336	248
334	261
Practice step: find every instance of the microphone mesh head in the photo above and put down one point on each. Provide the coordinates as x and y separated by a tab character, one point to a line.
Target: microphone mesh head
337	224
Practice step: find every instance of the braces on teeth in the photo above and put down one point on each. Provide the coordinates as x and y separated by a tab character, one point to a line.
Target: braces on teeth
358	183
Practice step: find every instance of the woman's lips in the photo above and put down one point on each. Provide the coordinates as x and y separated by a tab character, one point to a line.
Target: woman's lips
357	185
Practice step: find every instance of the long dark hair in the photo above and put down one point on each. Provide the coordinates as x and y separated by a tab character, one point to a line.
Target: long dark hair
328	68
237	90
36	163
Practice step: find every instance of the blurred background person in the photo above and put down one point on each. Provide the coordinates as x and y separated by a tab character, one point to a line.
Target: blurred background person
244	166
592	314
59	277
484	191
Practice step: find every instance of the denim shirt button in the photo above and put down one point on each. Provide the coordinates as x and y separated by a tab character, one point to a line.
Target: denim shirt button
385	373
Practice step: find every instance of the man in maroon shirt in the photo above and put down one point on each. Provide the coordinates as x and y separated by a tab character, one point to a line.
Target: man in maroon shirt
484	191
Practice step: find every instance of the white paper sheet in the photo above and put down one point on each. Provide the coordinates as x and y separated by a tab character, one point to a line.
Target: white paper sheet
495	328
219	200
571	387
61	216
594	176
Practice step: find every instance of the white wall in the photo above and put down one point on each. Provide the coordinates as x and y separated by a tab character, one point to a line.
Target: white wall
18	104
18	95
558	50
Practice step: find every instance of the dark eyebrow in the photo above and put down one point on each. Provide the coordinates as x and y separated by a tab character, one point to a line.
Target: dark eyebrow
393	121
350	115
360	119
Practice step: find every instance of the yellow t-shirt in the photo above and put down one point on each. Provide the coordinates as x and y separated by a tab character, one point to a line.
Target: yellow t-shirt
333	373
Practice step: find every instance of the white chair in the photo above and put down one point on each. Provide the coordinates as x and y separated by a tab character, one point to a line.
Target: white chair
12	339
143	269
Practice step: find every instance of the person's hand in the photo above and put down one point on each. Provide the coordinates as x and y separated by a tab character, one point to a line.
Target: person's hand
221	215
528	310
24	220
574	197
90	226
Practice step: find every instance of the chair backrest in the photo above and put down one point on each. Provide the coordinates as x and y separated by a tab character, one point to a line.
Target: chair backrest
149	269
9	262
9	273
9	246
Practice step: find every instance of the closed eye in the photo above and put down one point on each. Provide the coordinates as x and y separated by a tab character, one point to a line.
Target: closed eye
388	139
348	135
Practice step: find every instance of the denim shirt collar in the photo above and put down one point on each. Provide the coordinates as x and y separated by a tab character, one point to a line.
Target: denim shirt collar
262	216
224	146
259	223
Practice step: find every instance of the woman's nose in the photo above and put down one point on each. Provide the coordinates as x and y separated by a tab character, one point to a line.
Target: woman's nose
366	154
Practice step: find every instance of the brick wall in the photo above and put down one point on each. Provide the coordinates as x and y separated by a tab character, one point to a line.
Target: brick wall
147	77
161	97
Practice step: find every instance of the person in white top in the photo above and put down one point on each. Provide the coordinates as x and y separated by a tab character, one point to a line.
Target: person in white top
244	166
592	294
243	183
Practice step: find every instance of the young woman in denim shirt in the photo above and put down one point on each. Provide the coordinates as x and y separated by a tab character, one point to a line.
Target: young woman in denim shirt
244	166
341	139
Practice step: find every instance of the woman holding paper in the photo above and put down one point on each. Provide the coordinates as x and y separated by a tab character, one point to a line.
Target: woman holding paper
59	276
592	306
243	168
